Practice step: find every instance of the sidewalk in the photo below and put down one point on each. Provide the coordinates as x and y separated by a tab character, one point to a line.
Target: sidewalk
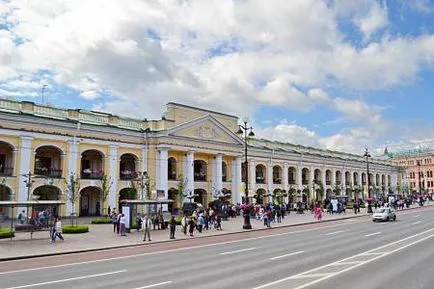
102	237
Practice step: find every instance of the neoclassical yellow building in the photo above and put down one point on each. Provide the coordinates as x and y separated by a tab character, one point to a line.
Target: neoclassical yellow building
189	149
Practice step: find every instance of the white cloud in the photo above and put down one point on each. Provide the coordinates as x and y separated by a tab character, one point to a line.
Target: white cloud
227	55
290	133
375	20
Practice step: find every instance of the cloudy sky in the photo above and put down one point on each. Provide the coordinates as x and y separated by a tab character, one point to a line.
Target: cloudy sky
335	74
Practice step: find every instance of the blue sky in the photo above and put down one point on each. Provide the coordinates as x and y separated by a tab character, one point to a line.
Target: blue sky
335	74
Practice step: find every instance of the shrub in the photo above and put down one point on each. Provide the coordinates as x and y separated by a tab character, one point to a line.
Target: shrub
6	233
101	221
80	229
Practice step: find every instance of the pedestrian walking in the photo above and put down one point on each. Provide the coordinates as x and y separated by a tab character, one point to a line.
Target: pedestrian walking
57	231
184	224
139	221
114	218
219	223
123	222
191	225
172	225
146	226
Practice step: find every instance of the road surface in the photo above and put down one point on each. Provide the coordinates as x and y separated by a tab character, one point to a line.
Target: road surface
353	254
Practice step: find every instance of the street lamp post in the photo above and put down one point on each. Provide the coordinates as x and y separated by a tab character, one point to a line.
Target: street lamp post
367	156
28	183
143	183
243	129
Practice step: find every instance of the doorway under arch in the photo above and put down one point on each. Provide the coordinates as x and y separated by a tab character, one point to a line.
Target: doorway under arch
173	208
47	193
200	197
5	195
90	201
260	196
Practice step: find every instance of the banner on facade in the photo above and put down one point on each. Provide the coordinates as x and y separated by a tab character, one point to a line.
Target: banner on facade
161	195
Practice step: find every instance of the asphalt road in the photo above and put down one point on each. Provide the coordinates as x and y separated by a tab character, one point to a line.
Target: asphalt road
346	254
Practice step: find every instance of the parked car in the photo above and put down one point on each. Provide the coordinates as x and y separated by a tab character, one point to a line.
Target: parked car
384	214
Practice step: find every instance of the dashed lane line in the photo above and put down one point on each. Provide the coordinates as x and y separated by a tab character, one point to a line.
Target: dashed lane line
320	274
286	255
67	280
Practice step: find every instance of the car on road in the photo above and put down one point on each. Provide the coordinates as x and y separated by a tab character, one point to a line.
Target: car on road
384	214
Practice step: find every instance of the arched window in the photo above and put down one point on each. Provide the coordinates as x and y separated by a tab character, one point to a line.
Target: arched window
277	175
48	162
6	159
224	171
92	164
292	175
305	176
171	167
128	167
200	171
260	174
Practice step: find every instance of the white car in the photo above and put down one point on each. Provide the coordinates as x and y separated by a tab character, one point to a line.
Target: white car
384	214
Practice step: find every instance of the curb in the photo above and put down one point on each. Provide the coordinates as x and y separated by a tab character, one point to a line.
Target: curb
180	240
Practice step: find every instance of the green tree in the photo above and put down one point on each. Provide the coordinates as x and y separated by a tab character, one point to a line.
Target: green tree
72	191
105	185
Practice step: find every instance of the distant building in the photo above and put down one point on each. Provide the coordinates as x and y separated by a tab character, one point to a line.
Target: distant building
419	166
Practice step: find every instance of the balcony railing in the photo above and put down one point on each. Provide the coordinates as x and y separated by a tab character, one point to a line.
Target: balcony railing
260	180
92	175
128	175
328	183
224	179
6	171
291	181
305	182
51	173
277	181
172	176
199	178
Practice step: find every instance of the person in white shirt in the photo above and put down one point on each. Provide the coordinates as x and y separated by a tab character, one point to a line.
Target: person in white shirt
123	222
146	226
57	230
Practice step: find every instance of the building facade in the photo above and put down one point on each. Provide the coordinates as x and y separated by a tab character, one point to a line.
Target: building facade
191	154
419	164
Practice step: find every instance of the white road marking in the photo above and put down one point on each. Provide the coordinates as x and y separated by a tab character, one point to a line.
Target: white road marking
287	255
238	251
415	223
68	279
155	285
156	253
334	233
417	216
330	275
373	234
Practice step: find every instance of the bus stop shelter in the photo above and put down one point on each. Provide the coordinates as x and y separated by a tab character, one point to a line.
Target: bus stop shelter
148	206
31	224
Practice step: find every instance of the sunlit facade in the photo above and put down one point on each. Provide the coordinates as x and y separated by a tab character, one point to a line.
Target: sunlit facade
191	154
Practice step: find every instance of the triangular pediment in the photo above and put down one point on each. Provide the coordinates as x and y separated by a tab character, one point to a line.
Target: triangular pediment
205	128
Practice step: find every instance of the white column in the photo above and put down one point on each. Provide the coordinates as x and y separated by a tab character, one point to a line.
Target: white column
324	178
163	177
236	180
252	175
218	173
311	182
344	183
189	174
333	178
144	161
393	181
113	176
285	180
25	158
270	180
299	178
72	170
